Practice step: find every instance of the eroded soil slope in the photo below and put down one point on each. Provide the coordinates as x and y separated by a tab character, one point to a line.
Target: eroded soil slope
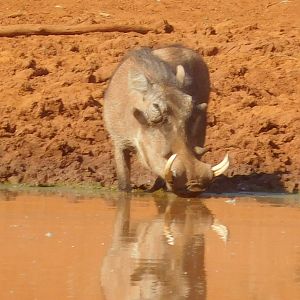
51	88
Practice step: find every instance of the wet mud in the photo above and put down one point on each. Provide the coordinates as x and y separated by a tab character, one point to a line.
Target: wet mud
51	88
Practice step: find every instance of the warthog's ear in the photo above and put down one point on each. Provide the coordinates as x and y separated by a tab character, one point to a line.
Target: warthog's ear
180	74
137	81
139	115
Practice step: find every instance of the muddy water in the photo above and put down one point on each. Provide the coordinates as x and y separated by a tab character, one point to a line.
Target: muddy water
75	245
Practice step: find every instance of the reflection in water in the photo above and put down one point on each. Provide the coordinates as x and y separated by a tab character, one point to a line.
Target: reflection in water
162	257
7	195
63	244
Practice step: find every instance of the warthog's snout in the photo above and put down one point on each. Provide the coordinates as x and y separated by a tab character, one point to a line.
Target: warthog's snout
191	176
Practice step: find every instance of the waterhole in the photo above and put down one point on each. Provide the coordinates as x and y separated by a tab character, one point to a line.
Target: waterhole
69	244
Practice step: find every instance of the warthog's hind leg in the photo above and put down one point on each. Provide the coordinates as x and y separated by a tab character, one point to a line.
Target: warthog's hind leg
122	158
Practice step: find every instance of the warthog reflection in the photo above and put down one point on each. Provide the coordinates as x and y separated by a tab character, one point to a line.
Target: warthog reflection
161	257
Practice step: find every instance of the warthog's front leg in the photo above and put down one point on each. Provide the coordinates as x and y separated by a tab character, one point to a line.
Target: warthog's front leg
122	158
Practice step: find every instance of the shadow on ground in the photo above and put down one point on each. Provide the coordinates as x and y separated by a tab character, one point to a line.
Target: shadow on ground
256	182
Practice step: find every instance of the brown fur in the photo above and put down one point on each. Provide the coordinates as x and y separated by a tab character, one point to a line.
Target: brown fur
151	105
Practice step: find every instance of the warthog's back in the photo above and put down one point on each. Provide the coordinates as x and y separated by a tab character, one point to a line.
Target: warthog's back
193	65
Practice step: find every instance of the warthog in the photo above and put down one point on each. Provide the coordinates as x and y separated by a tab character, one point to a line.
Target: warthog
156	104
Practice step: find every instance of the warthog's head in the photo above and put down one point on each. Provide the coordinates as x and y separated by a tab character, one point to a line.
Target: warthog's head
169	118
187	174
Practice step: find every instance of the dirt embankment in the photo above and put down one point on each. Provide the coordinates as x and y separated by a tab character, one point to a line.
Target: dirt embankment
51	88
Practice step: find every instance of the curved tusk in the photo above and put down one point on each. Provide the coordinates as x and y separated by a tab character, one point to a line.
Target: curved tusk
168	174
221	167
